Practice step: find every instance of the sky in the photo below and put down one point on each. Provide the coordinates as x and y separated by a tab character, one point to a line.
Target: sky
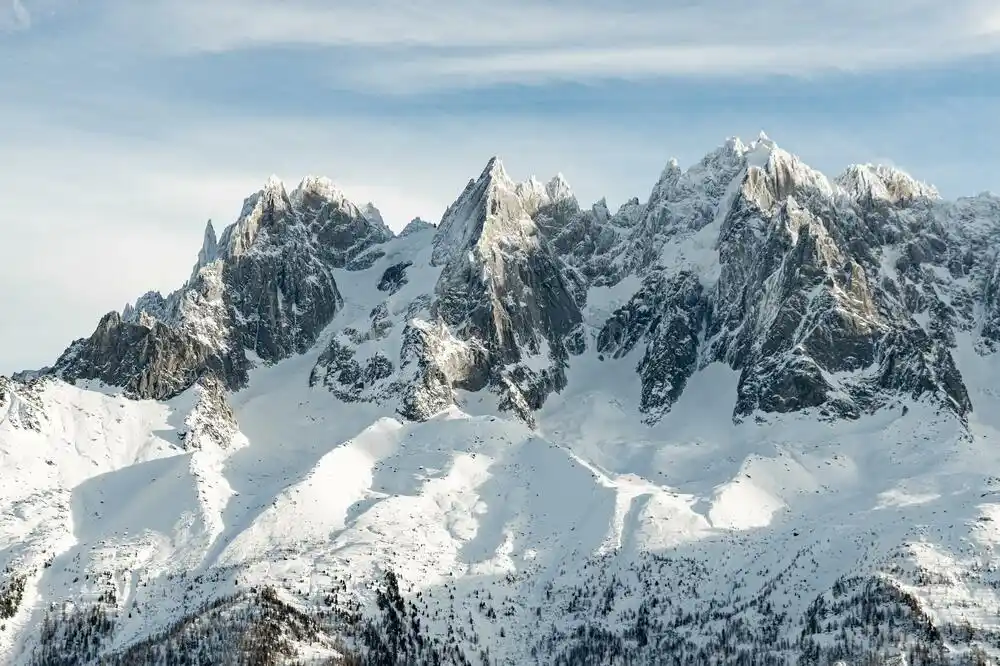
125	125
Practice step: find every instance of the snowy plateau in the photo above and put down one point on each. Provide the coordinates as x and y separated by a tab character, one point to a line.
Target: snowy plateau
752	419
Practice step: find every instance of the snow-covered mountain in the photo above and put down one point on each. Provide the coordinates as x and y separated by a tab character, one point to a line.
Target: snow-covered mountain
749	420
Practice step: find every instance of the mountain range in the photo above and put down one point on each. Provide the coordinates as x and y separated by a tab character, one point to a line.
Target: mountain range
751	419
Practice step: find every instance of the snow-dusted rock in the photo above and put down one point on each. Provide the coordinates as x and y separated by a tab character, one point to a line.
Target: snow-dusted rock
266	286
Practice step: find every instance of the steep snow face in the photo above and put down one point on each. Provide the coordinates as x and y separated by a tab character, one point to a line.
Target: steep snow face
579	522
751	416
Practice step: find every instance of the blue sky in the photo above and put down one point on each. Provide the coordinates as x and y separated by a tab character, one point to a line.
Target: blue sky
127	124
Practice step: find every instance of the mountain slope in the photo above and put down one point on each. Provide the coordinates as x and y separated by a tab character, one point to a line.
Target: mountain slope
747	420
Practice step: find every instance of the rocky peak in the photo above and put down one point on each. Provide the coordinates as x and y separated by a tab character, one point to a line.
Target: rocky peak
503	289
209	248
319	187
317	217
415	225
558	189
753	258
147	358
733	146
797	309
867	182
267	210
152	303
747	257
668	180
774	175
682	202
826	301
267	285
601	211
491	210
275	194
317	195
373	215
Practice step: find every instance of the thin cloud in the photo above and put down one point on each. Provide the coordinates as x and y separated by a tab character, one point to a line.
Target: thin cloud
225	25
990	26
14	16
392	46
191	25
401	46
424	73
22	15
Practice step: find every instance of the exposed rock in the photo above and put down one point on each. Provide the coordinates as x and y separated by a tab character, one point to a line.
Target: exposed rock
394	277
365	261
668	315
148	360
433	363
795	308
589	241
989	334
415	225
501	286
20	405
827	299
211	423
838	296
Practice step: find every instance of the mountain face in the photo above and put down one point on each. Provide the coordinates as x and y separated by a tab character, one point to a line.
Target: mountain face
266	287
747	420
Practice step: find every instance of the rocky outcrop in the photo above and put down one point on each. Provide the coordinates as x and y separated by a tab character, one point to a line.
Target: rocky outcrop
147	359
798	308
20	405
588	241
989	333
668	316
433	363
211	424
394	277
680	203
825	300
811	288
349	379
414	226
278	262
